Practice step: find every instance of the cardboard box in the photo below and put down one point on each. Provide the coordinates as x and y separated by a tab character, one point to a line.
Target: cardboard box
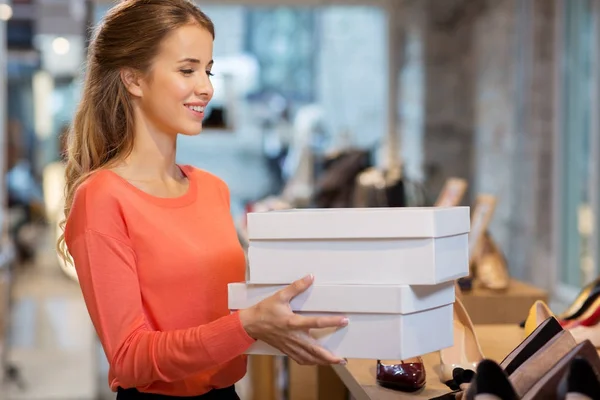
373	246
510	306
386	322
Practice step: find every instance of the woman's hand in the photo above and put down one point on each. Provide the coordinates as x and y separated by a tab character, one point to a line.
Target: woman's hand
273	321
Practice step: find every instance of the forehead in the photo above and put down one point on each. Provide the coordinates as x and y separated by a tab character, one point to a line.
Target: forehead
189	41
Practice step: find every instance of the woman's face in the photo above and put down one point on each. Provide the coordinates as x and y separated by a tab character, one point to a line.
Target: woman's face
177	89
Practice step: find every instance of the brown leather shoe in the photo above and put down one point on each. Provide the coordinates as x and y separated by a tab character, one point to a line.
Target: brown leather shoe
407	376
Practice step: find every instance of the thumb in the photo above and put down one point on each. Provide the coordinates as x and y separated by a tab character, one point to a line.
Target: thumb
289	292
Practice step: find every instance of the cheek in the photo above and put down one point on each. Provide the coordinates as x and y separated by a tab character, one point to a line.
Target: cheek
178	89
182	88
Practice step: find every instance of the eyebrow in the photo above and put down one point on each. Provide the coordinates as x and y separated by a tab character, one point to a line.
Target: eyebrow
195	61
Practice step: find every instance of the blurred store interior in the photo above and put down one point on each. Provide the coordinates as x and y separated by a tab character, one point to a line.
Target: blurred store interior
498	93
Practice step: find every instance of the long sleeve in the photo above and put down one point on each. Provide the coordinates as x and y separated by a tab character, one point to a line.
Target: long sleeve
138	355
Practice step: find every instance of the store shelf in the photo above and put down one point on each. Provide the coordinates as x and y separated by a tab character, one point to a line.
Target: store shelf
496	341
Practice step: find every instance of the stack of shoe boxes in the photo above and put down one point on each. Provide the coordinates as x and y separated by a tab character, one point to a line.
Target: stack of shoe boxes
391	271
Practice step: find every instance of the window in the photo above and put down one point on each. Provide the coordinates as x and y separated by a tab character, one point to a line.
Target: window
577	264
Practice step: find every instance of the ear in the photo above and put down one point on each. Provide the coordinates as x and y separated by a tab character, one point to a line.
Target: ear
131	80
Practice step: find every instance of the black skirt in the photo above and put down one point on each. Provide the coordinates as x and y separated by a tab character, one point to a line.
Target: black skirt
215	394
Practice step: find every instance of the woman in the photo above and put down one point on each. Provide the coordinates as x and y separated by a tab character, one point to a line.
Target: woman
153	243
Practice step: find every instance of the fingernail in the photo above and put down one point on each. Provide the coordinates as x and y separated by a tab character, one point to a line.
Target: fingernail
308	278
344	322
343	362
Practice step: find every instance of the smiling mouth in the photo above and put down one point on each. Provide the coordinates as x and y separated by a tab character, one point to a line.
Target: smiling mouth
196	108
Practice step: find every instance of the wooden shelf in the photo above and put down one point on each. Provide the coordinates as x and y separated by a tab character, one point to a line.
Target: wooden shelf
497	341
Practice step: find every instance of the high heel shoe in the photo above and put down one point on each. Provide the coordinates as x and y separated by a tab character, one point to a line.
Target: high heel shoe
538	313
580	382
590	333
547	386
588	318
466	352
537	366
491	383
490	267
531	345
592	290
406	376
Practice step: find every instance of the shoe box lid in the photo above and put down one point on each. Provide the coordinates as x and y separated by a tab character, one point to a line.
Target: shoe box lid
359	223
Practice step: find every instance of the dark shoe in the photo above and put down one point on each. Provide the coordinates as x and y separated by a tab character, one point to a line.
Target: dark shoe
465	284
492	382
534	342
548	385
405	377
525	377
581	378
533	370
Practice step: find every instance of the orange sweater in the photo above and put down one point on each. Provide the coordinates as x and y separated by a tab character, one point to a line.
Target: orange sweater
154	274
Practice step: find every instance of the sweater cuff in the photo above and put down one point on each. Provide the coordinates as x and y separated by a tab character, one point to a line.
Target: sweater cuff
244	335
228	342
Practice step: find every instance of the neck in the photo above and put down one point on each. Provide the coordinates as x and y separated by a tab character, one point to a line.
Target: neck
154	153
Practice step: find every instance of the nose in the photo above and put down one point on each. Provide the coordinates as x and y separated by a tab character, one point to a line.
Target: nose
204	87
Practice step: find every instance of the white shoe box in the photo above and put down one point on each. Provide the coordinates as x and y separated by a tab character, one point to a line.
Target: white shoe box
371	246
385	322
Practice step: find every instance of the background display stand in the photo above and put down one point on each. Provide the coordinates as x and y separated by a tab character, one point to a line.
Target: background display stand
452	193
485	205
509	306
487	306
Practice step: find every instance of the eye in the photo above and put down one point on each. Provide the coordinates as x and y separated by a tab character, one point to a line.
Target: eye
187	72
209	73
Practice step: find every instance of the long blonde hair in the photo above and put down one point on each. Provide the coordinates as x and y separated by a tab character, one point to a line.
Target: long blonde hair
103	127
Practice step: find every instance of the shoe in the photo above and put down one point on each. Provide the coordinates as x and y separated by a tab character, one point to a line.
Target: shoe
465	284
582	302
549	384
590	333
545	332
589	317
580	382
490	268
537	366
491	383
406	376
533	344
466	352
538	313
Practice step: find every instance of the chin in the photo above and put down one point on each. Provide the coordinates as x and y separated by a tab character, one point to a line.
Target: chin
191	131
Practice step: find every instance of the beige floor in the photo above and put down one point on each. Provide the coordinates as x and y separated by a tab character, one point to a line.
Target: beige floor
51	339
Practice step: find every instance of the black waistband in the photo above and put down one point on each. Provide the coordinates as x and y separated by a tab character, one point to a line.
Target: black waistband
227	393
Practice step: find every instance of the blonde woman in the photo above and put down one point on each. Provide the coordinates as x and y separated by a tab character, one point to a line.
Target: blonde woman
153	242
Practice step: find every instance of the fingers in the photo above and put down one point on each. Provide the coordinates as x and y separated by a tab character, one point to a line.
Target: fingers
302	322
288	293
306	352
319	353
325	356
301	356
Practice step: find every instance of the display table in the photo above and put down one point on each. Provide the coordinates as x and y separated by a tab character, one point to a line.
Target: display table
509	307
496	341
